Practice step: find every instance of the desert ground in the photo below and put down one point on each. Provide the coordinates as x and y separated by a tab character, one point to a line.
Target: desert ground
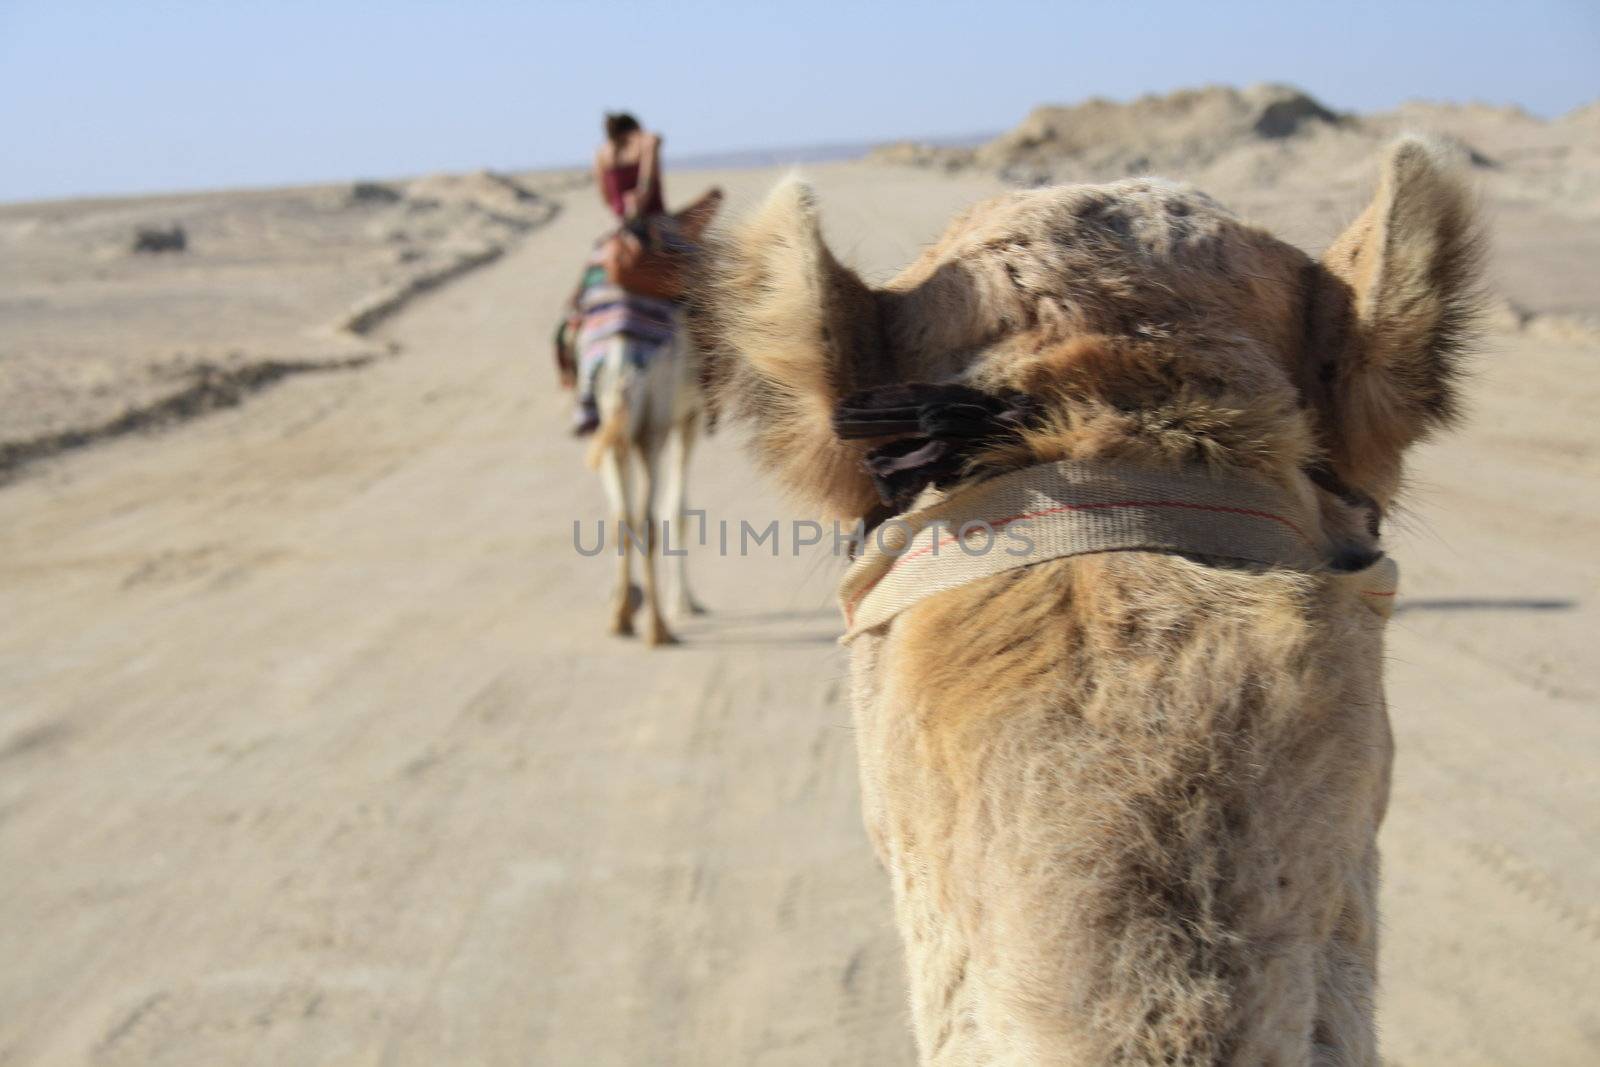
313	749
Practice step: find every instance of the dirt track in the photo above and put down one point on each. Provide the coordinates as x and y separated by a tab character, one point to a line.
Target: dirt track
312	751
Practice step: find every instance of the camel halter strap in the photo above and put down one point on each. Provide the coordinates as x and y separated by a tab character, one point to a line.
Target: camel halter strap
1056	510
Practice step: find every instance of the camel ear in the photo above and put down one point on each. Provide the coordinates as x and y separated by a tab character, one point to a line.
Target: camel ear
1411	267
789	332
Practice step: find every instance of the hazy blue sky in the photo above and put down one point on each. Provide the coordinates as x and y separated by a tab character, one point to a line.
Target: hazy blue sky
136	96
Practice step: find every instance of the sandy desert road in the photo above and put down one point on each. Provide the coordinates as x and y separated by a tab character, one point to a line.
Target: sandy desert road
312	750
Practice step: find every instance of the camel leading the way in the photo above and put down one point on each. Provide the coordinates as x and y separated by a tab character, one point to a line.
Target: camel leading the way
1127	782
650	403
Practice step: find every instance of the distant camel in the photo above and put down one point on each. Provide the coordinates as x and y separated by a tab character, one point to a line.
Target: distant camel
651	411
1128	785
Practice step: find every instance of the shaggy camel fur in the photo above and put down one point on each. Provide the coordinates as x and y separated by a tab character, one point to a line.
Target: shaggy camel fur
1129	801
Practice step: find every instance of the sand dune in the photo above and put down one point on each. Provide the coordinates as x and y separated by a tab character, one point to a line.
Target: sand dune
312	750
96	338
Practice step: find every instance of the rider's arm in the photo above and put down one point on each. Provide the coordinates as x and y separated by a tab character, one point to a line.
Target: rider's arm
600	176
649	171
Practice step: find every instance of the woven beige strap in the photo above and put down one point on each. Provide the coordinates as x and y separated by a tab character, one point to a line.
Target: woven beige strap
1069	509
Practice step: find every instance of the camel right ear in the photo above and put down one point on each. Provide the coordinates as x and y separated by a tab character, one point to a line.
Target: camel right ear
790	332
1411	264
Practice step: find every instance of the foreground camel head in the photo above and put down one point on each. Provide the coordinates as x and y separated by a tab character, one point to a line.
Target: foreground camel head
1128	800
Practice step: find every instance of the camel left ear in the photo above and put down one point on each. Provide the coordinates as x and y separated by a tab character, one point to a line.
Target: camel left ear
1411	267
790	331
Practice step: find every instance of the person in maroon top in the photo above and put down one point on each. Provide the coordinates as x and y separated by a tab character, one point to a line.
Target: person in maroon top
627	171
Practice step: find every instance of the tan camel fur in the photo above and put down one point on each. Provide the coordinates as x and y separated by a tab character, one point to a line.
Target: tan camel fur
1128	802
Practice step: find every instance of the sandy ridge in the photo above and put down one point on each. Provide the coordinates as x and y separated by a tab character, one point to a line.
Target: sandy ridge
341	345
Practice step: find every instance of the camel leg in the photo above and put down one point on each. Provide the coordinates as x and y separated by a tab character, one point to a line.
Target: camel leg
674	506
658	633
614	475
